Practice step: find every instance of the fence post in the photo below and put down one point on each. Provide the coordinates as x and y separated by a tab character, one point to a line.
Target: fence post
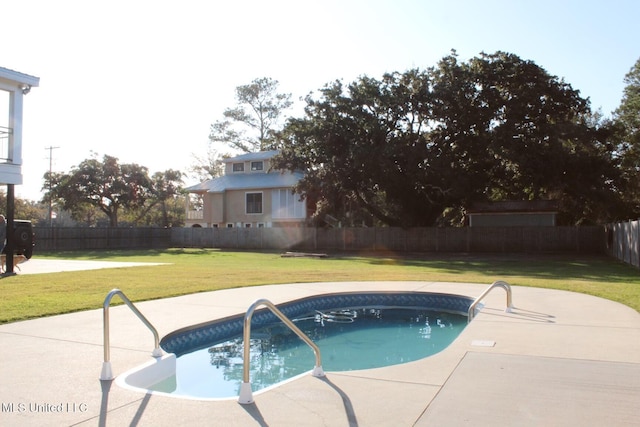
344	239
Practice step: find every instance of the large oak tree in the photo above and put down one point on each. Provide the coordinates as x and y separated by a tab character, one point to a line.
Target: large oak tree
413	147
106	185
627	125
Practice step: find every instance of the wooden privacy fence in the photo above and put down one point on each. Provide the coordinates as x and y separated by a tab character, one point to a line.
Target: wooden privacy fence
79	238
480	239
622	241
469	239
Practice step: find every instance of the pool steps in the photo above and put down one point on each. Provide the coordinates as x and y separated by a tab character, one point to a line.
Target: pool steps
246	393
497	284
107	370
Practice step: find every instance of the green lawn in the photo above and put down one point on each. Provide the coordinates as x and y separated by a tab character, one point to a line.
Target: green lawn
198	270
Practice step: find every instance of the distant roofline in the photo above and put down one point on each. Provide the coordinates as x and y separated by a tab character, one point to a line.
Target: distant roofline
255	181
514	206
260	155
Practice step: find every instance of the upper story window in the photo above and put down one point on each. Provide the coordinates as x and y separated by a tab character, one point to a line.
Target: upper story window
238	167
257	166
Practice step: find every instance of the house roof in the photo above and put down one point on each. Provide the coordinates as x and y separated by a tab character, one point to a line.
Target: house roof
247	181
514	206
19	77
248	157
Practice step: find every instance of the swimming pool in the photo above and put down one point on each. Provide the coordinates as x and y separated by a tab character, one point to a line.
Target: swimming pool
349	328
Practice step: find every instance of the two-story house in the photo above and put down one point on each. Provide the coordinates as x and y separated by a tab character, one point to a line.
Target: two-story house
249	194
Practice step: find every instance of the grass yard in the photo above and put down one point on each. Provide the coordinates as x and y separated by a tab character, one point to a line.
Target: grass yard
198	270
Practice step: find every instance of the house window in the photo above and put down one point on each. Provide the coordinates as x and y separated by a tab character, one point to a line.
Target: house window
238	167
257	166
287	205
229	225
247	225
254	203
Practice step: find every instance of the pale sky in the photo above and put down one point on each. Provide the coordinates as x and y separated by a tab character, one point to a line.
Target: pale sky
142	80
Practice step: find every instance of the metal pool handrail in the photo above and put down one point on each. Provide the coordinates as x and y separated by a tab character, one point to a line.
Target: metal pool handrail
497	283
107	373
246	394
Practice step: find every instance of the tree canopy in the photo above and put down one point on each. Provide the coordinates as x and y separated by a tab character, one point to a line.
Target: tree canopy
109	187
627	126
628	114
250	125
418	148
25	209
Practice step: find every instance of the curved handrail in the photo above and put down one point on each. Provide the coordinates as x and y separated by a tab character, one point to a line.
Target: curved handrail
107	373
246	394
497	283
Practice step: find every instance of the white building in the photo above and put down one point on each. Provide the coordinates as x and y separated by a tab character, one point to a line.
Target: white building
13	87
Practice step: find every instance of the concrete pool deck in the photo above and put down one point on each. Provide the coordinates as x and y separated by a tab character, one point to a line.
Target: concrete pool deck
560	358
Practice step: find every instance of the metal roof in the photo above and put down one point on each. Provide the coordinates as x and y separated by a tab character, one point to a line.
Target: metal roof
247	181
248	157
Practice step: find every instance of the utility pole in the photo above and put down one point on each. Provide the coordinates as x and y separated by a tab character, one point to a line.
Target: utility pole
50	148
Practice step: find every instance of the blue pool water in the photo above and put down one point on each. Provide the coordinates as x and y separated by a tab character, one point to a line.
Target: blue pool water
349	339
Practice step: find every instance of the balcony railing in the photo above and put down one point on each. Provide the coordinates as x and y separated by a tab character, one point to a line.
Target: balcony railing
5	140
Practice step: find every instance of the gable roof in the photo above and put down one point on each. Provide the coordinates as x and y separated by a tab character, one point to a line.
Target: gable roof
248	181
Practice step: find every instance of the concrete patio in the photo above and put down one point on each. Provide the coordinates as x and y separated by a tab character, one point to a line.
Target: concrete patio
559	358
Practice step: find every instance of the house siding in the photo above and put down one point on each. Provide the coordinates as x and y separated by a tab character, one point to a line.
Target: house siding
513	213
512	219
216	204
235	207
